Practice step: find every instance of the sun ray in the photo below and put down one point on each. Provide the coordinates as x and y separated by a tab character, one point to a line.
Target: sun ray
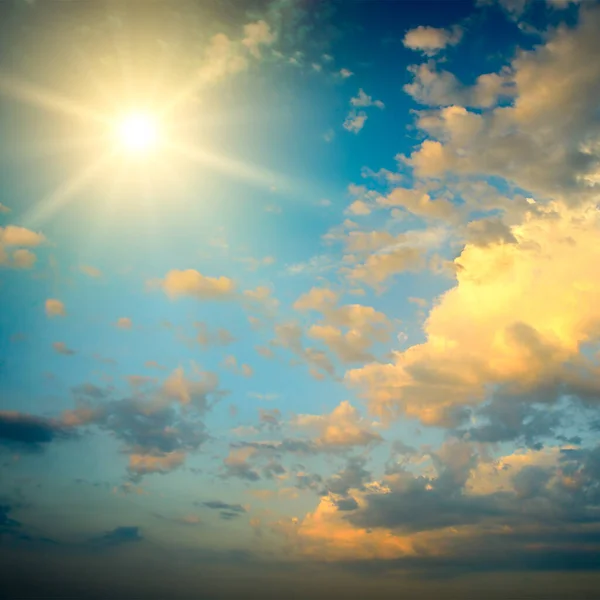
229	166
57	199
45	98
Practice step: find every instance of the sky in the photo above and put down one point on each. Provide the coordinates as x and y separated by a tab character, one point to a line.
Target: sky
299	299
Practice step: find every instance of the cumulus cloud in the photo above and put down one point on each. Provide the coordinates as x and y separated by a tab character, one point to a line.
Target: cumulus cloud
543	141
118	536
124	323
29	432
363	100
349	331
62	348
15	242
90	271
207	338
431	40
342	428
192	283
55	308
518	318
157	428
355	121
256	35
142	464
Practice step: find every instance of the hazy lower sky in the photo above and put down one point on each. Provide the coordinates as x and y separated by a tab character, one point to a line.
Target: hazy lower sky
299	299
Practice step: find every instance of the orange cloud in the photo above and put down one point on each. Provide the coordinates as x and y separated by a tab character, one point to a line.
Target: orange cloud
55	308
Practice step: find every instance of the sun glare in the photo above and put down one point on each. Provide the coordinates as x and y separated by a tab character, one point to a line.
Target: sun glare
138	132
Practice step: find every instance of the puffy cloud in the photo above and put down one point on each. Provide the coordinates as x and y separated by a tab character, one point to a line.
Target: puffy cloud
194	284
12	235
435	87
29	432
55	308
193	392
379	267
290	335
118	536
207	338
156	432
223	57
363	100
419	203
256	35
363	324
230	362
430	40
518	318
91	271
237	465
23	259
124	323
260	299
342	428
355	121
544	141
62	348
142	464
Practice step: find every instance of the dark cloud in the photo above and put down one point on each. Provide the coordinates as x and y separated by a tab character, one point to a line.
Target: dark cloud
218	505
507	418
554	499
118	536
29	431
353	476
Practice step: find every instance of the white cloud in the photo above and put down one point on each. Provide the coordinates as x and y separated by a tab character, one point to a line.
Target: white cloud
431	40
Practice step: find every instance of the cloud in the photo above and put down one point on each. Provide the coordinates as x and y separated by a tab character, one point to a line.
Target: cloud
363	100
230	363
237	465
431	40
383	265
340	429
118	536
227	511
223	57
55	308
479	335
345	73
91	271
433	87
207	338
29	432
13	236
4	209
348	331
194	284
62	348
256	35
142	464
157	432
355	121
261	300
124	323
418	202
542	141
194	392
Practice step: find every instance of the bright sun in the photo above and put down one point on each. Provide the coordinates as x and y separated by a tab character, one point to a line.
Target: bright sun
137	132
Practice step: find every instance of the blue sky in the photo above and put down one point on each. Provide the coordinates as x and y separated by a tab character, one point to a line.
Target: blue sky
299	296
